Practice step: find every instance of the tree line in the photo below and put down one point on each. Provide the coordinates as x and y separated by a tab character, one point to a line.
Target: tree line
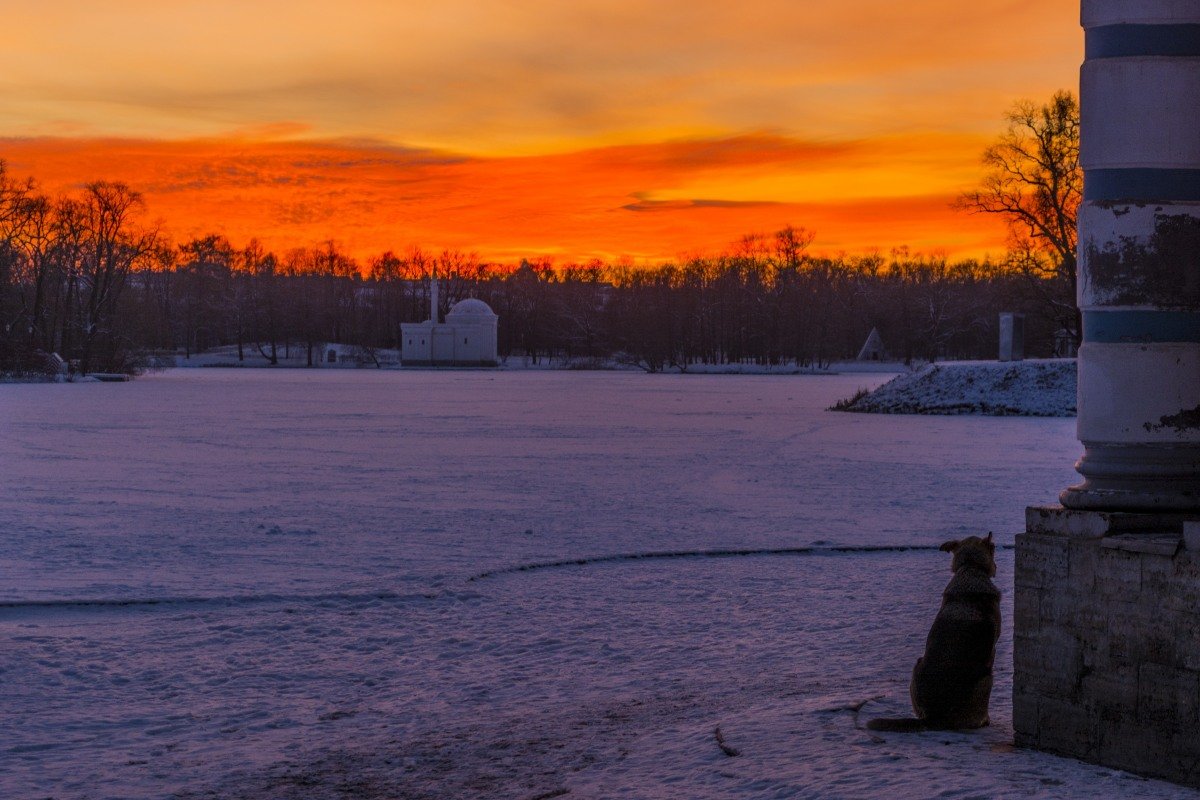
82	277
110	298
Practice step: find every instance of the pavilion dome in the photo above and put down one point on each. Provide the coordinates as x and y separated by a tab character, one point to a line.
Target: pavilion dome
471	307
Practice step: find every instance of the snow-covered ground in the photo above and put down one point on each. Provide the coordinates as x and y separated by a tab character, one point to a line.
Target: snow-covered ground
258	584
296	355
1034	388
792	368
351	357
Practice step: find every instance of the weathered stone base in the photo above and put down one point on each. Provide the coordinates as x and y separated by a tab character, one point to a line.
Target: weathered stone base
1106	643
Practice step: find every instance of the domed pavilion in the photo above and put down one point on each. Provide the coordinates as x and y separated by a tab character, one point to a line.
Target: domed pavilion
466	339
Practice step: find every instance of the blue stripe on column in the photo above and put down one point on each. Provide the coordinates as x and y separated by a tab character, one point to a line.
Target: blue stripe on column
1141	327
1141	185
1125	41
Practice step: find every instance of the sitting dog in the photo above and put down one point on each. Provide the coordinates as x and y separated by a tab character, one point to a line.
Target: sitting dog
952	682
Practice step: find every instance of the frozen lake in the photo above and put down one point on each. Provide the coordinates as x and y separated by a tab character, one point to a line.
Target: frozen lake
251	583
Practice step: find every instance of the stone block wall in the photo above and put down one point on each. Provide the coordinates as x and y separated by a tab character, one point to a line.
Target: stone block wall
1106	645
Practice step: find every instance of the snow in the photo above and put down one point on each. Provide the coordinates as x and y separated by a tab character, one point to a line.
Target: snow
351	357
793	368
1036	388
258	584
471	306
287	357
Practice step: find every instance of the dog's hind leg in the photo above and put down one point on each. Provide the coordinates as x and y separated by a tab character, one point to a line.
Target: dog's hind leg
980	698
913	689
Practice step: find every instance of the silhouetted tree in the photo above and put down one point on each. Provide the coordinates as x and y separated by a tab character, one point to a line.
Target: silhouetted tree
1035	183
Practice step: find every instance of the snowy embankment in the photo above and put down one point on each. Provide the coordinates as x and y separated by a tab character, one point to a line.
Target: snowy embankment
1036	388
792	368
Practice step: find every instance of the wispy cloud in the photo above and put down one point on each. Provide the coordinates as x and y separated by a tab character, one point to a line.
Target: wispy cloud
528	76
684	205
572	205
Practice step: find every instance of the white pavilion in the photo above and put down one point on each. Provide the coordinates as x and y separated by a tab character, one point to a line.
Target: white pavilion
466	339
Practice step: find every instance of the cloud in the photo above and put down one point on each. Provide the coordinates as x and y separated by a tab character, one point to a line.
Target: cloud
529	76
683	205
687	196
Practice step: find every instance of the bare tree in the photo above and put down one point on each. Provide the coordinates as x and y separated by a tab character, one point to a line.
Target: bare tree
262	272
207	268
1035	183
16	205
790	244
114	247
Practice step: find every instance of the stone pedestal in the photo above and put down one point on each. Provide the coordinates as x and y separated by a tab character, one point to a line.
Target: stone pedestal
1012	336
1106	650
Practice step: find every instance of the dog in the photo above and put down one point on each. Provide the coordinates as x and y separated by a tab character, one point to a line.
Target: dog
952	683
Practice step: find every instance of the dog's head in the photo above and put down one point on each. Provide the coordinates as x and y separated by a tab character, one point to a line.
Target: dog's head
973	552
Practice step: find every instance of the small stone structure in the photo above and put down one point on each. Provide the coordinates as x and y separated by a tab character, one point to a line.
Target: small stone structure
872	349
1106	649
1012	336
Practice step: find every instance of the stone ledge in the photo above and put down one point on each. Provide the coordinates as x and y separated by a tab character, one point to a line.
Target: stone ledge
1078	524
1159	544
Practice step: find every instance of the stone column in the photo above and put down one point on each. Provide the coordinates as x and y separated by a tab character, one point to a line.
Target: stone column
1106	663
1139	258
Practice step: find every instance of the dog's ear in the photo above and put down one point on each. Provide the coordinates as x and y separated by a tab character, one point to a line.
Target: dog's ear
988	541
950	546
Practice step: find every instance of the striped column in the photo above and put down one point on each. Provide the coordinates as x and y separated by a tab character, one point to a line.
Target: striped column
1139	257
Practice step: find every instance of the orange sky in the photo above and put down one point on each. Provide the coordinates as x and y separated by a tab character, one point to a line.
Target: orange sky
532	127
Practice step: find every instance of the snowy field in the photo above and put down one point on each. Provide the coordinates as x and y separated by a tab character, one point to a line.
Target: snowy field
258	584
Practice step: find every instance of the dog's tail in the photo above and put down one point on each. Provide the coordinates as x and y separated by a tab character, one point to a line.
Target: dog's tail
899	724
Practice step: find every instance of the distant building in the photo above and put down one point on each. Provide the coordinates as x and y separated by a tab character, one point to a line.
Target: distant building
1012	336
872	349
466	339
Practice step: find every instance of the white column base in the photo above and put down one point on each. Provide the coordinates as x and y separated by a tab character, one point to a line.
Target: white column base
1142	477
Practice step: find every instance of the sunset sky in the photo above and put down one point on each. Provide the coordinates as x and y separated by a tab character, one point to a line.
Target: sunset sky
576	129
